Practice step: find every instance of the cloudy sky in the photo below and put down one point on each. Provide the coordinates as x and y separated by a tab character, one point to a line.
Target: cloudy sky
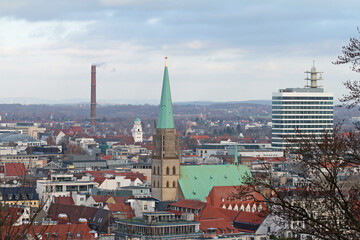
218	50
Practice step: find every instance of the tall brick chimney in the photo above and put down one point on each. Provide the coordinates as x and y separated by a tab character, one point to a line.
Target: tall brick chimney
93	96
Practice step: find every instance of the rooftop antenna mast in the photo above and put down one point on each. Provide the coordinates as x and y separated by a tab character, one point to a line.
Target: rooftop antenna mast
313	77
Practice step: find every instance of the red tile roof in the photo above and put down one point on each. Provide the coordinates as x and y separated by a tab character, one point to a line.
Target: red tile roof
231	195
250	217
64	200
101	198
210	212
10	215
99	180
123	208
15	170
63	231
76	129
100	175
200	137
120	199
73	212
133	175
229	215
108	171
270	159
221	226
107	157
192	204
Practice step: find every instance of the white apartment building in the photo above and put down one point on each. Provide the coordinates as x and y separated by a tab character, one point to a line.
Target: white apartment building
307	110
61	185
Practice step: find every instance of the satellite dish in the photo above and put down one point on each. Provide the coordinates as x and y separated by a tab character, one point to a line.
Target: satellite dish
15	181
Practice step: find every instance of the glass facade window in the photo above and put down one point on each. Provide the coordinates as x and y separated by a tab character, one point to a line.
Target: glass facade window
302	111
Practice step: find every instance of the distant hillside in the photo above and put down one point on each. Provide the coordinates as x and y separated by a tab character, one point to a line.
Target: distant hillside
207	103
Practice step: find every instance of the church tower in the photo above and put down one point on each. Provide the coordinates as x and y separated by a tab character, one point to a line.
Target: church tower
165	154
136	131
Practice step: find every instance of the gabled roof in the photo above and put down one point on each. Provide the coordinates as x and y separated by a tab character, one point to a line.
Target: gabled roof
101	198
62	231
15	170
99	180
73	212
79	230
210	212
100	219
133	176
196	181
248	221
231	195
250	217
10	215
123	208
221	226
120	199
192	204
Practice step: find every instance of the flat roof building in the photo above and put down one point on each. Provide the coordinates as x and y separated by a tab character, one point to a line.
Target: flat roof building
308	111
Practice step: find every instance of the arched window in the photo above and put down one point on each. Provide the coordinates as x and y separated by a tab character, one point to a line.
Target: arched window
167	184
154	184
154	170
174	170
158	173
167	171
158	184
174	184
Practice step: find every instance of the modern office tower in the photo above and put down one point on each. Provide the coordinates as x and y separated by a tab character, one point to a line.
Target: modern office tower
307	110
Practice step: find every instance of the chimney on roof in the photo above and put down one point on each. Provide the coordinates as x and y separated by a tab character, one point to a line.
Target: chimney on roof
93	96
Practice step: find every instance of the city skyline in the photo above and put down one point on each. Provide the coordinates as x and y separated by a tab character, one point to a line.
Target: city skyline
233	51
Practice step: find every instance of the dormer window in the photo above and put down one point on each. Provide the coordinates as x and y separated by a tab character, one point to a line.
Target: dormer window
70	235
48	235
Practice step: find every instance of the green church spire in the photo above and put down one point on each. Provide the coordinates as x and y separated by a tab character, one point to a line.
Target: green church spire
166	119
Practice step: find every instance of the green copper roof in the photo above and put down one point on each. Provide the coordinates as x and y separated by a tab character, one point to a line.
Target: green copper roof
166	119
137	120
196	181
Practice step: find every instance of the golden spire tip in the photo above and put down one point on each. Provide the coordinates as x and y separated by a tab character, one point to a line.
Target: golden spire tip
166	61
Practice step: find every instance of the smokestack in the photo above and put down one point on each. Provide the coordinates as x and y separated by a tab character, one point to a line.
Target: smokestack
93	96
